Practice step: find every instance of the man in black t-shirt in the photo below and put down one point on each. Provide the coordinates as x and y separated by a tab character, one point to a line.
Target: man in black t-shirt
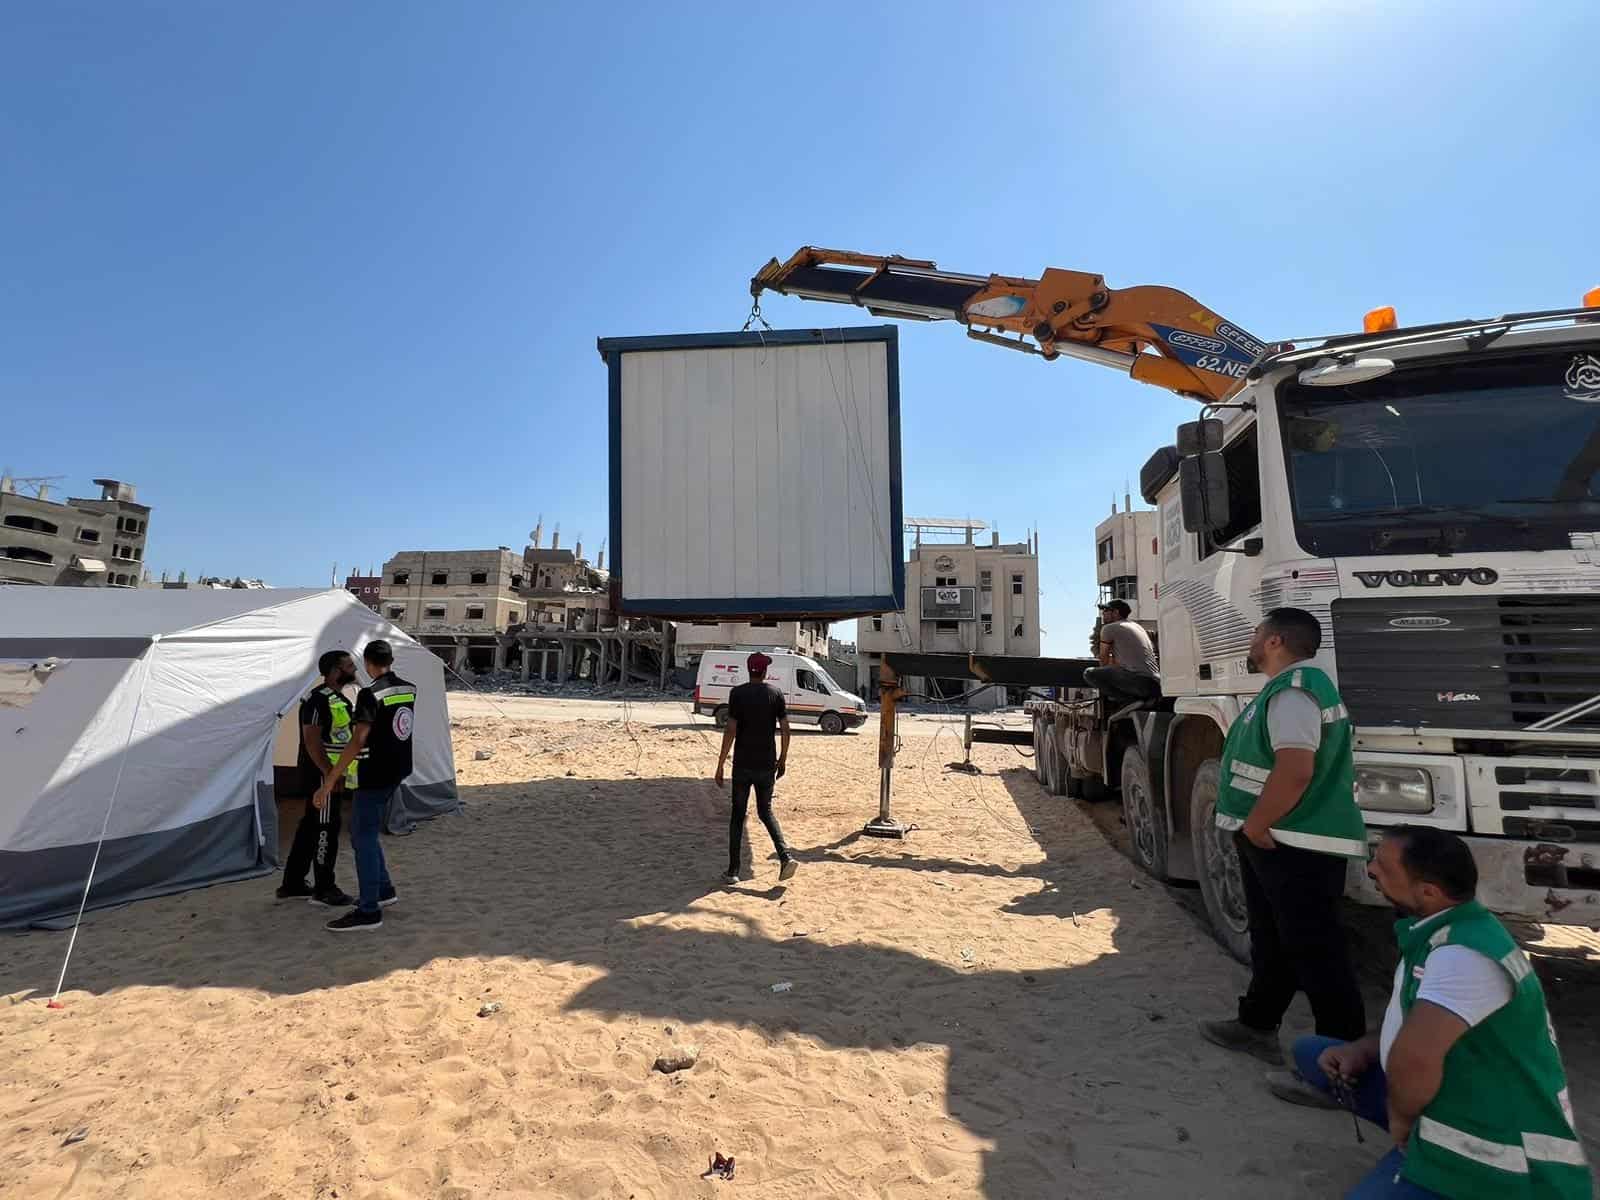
756	712
384	718
325	728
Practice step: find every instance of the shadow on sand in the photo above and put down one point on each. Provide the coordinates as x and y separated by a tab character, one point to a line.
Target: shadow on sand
585	871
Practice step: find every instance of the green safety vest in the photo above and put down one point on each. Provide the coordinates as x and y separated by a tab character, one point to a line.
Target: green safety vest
337	736
1326	818
1501	1127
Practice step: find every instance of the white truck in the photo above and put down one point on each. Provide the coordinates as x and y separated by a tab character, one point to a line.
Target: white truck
1431	494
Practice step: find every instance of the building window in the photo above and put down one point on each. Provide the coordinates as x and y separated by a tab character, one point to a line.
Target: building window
513	616
1017	632
396	611
545	580
988	627
986	580
401	578
516	583
1016	585
440	578
474	612
944	581
947	626
480	577
25	554
434	612
877	624
85	534
1103	552
35	524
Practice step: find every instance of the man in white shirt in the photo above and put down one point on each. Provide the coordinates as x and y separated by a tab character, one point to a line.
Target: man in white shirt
1391	1076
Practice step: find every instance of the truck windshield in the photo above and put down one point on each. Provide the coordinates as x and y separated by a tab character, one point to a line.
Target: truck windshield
1486	452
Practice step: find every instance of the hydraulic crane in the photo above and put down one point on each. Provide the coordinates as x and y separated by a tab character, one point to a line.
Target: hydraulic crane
1156	335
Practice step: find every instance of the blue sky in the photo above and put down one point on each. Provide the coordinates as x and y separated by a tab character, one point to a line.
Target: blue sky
324	280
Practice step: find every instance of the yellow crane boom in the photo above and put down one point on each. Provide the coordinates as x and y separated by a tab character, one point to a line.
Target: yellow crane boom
1156	335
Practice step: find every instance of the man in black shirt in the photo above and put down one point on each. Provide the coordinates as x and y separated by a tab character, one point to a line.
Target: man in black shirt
325	729
384	717
756	711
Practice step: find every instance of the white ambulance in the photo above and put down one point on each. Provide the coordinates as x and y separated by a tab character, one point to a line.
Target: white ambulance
809	692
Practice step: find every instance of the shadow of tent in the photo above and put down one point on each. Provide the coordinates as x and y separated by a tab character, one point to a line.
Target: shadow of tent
592	872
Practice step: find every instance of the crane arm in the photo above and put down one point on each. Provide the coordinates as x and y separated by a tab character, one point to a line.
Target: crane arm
1157	335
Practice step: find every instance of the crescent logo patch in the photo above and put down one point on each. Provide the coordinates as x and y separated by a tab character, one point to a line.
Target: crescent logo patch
402	725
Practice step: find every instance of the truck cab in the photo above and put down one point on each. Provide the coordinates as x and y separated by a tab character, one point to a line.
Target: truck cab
1432	497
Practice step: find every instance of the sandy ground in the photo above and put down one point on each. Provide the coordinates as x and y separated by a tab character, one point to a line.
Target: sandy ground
997	1007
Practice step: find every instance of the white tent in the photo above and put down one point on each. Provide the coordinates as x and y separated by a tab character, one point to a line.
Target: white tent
142	723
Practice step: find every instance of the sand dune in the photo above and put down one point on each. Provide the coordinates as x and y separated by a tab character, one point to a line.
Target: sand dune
997	1007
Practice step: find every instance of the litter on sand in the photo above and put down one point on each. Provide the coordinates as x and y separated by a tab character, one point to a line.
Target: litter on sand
785	986
720	1168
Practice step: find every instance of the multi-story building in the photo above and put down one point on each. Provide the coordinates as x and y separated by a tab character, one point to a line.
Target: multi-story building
454	600
76	543
1126	565
694	638
366	588
961	598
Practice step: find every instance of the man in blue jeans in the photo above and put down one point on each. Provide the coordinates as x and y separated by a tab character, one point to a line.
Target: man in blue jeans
1464	1075
384	717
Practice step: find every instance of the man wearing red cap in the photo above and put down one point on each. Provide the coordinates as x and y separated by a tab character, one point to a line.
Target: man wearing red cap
756	712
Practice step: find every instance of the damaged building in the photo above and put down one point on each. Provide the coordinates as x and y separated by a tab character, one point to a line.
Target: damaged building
546	613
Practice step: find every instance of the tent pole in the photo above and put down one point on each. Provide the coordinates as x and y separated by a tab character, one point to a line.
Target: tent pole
116	786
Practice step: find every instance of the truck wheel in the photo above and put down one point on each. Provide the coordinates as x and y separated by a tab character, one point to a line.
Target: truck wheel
1060	768
831	723
1147	825
719	717
1218	865
1038	749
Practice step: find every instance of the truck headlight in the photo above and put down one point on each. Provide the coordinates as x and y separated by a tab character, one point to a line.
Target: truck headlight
1393	789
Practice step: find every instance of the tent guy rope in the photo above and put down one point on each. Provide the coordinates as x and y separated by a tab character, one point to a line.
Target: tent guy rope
122	761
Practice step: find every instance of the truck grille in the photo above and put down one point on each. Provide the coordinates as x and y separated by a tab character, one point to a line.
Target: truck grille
1496	663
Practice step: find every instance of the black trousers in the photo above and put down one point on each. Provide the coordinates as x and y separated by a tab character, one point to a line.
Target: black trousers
1121	684
1297	941
761	782
316	845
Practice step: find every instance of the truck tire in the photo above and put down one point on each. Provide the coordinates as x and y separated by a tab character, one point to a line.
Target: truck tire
1060	769
719	716
1147	823
1217	863
1038	749
831	722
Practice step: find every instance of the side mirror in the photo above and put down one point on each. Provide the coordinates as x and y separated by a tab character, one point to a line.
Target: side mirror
1199	437
1203	488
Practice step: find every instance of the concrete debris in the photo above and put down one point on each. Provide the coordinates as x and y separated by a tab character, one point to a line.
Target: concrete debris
489	1009
484	755
678	1058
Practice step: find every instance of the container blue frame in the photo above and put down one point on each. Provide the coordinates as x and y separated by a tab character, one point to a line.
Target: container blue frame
788	608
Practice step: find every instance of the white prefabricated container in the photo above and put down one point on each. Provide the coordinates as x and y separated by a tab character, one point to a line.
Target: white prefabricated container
756	475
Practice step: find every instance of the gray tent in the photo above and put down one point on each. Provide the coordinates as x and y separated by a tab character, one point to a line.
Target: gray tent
137	732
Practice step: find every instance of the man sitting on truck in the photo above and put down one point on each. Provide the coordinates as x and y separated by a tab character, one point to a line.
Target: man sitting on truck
1464	1074
1128	671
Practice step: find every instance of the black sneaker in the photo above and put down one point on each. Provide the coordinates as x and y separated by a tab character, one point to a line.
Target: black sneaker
388	897
294	891
333	898
730	878
355	921
790	866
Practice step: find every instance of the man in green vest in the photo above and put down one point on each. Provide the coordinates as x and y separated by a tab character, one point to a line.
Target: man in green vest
1287	791
1464	1074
